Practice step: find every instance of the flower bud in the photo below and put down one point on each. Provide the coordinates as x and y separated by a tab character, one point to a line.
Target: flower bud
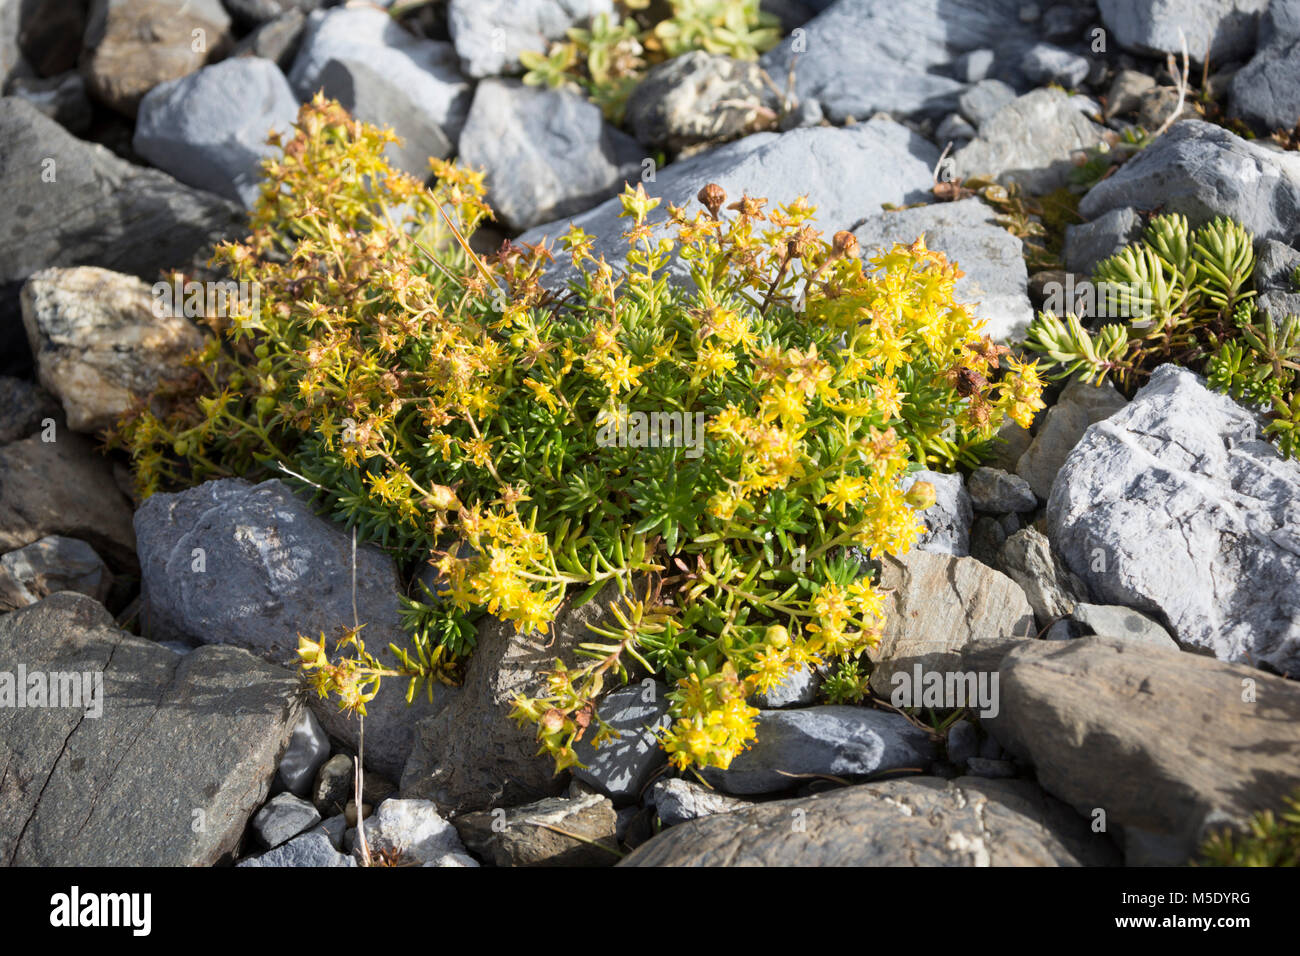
920	496
777	636
712	196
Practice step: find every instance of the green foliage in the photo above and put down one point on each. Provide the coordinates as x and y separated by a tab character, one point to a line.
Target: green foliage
1271	840
702	457
846	683
1187	296
608	58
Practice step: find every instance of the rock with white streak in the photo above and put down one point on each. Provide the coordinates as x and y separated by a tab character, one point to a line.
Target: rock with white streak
1178	507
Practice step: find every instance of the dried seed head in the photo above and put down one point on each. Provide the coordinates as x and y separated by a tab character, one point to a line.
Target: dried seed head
712	196
846	245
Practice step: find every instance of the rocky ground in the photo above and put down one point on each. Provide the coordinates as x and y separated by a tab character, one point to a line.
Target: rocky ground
1126	570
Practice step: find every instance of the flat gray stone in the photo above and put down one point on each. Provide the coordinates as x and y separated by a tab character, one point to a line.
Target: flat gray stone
1224	29
490	34
54	563
1052	590
621	768
948	520
310	849
283	817
1064	424
181	755
1124	623
997	492
538	834
1266	91
983	99
677	800
1087	244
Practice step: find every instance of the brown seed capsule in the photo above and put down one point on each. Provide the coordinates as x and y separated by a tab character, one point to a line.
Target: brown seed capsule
712	196
846	244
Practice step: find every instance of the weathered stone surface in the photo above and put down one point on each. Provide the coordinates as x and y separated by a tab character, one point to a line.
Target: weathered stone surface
1266	91
62	98
310	849
938	605
697	98
983	100
834	740
995	280
1089	243
283	817
63	487
1122	623
309	747
1162	742
529	835
99	342
1177	507
1052	590
1063	426
677	800
24	406
48	565
1276	266
995	491
915	822
229	562
948	520
863	56
622	767
490	34
385	75
547	153
414	832
176	735
1030	141
1046	63
75	203
133	45
210	129
797	689
276	40
471	756
1202	171
850	172
1223	29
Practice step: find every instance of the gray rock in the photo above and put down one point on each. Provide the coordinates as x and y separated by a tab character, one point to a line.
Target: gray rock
530	835
804	113
1158	104
995	281
1030	141
1012	442
97	209
1089	243
954	129
991	769
415	832
1123	623
471	756
133	45
283	817
333	828
100	341
700	97
1063	426
229	562
937	606
249	13
995	491
1052	590
62	98
1126	91
490	34
169	771
333	787
621	768
1177	507
1202	171
676	800
1064	21
920	821
24	406
1276	266
1162	740
948	520
986	537
52	564
276	40
974	65
832	740
1062	630
1266	91
547	153
864	56
308	749
850	172
1047	63
797	689
12	61
963	742
384	75
1223	29
310	849
63	487
209	129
